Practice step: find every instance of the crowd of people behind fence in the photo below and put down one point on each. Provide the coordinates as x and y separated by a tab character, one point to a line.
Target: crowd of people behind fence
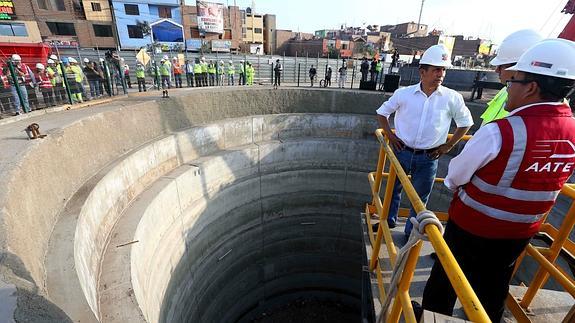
66	80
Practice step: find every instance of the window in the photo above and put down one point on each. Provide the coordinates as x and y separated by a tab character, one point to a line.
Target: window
103	30
135	31
13	29
250	28
58	5
164	12
132	9
96	6
62	28
258	30
42	4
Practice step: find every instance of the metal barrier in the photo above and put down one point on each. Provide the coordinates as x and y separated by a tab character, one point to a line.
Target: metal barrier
545	257
402	301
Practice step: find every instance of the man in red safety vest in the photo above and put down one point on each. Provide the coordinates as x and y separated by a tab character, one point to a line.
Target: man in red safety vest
507	178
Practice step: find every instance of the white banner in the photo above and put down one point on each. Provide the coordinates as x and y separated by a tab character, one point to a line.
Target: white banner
210	17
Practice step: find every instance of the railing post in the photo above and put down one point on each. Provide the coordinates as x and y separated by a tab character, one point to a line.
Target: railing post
542	275
383	222
298	72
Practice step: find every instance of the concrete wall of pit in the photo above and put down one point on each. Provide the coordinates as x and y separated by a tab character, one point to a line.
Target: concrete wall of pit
77	150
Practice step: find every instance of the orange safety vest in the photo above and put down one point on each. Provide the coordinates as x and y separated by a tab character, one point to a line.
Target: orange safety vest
177	68
44	80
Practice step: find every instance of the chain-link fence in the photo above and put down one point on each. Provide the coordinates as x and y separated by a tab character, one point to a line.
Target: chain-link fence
74	76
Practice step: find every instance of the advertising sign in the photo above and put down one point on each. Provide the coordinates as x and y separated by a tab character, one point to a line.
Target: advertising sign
221	46
257	49
61	41
485	47
194	44
447	41
210	17
7	10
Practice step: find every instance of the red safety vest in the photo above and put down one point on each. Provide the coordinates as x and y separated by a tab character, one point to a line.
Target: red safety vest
24	68
508	197
44	80
177	68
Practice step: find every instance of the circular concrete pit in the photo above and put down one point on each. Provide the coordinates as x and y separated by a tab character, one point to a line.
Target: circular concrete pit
212	206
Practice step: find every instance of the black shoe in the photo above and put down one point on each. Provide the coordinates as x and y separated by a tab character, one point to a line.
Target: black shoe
433	256
391	223
417	310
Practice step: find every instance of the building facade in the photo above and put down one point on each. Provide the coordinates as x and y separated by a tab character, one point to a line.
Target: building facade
232	26
130	16
408	29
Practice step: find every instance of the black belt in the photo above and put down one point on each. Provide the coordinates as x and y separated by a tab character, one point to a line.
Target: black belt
419	151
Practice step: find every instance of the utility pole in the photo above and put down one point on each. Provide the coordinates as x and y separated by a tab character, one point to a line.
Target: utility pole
420	12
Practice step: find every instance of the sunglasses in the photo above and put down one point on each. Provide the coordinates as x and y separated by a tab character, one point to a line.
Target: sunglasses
509	82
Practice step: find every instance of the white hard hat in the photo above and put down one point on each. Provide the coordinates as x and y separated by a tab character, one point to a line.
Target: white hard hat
231	62
122	59
174	58
16	57
166	57
436	55
221	62
86	60
101	60
551	57
54	57
40	66
514	45
50	61
72	60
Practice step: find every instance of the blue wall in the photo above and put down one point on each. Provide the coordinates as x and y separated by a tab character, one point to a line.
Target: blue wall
148	12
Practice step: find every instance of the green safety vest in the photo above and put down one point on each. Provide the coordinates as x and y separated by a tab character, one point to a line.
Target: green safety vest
77	71
140	73
212	69
231	69
496	107
204	66
164	69
197	68
378	67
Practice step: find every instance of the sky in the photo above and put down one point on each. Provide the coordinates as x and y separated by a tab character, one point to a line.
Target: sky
486	19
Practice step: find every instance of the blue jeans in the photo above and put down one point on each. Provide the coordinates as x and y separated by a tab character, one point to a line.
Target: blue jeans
94	88
422	170
16	99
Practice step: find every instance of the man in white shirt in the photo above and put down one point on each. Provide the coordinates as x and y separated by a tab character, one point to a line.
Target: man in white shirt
423	114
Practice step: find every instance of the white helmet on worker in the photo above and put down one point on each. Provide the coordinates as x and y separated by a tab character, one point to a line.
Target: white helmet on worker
72	60
16	57
551	57
514	45
40	66
101	60
231	62
436	55
86	60
174	58
50	61
166	57
54	57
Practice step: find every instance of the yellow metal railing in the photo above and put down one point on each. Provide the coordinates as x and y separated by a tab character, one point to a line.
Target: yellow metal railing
402	302
475	312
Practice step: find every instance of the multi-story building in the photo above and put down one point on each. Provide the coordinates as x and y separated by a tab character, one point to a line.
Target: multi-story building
57	24
232	26
164	16
408	29
252	31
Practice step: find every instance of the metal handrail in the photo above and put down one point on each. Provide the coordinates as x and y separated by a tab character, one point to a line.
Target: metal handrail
471	304
546	257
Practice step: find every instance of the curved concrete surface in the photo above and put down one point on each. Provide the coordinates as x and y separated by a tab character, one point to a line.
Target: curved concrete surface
85	146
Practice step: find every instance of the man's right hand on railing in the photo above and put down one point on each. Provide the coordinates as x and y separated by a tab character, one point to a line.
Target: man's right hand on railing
395	142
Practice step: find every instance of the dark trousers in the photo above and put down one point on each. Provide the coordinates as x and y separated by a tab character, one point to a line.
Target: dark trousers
178	79
242	78
141	84
190	79
60	92
198	78
488	265
166	82
33	97
205	79
48	97
277	79
128	80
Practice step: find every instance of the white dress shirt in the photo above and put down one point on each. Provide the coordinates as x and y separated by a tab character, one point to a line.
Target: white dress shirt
423	122
479	150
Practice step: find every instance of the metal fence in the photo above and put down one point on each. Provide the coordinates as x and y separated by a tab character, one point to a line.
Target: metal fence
102	76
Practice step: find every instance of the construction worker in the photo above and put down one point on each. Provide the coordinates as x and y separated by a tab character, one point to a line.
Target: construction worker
75	78
106	76
198	73
155	72
278	68
93	77
312	75
221	73
45	85
231	71
512	47
242	70
212	73
24	77
57	79
126	72
507	178
204	66
342	76
178	71
141	77
250	71
378	69
189	68
165	74
423	114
